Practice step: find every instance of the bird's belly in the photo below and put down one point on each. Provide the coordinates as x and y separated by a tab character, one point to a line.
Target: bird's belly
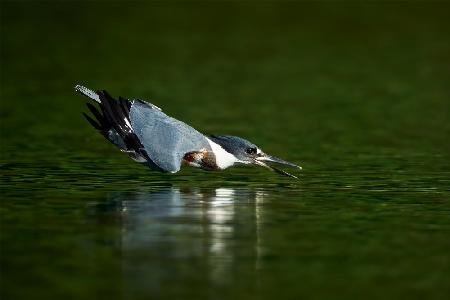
201	159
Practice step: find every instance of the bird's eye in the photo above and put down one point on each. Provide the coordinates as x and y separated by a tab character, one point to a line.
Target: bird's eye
251	151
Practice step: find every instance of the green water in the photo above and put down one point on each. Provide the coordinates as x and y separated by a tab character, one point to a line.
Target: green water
356	94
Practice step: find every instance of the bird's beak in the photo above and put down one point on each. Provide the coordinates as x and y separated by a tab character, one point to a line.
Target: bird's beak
263	158
276	160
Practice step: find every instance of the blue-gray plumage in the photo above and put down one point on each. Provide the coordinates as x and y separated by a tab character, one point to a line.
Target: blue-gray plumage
165	139
151	137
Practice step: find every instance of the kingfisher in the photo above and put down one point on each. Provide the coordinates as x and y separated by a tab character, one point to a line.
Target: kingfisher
149	136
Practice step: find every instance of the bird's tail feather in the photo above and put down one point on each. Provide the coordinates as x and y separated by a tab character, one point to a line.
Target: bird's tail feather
88	93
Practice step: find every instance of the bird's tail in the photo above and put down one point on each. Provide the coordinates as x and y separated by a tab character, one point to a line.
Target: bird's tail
88	93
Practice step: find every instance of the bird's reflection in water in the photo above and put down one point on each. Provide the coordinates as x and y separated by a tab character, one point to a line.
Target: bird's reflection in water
178	234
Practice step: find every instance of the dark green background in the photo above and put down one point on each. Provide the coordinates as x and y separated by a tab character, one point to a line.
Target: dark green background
356	93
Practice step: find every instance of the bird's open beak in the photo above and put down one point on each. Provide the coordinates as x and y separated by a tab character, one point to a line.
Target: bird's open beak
262	159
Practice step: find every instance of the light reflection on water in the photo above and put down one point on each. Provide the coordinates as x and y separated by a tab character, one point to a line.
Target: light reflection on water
207	227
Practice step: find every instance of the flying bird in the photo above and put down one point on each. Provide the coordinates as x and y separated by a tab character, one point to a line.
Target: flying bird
149	136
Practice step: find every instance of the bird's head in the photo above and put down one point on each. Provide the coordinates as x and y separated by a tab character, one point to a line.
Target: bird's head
248	153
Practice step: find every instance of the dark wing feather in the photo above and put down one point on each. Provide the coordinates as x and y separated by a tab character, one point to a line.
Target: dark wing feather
92	122
100	118
112	120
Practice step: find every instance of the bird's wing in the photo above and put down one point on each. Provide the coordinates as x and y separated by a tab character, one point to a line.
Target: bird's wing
148	103
165	139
